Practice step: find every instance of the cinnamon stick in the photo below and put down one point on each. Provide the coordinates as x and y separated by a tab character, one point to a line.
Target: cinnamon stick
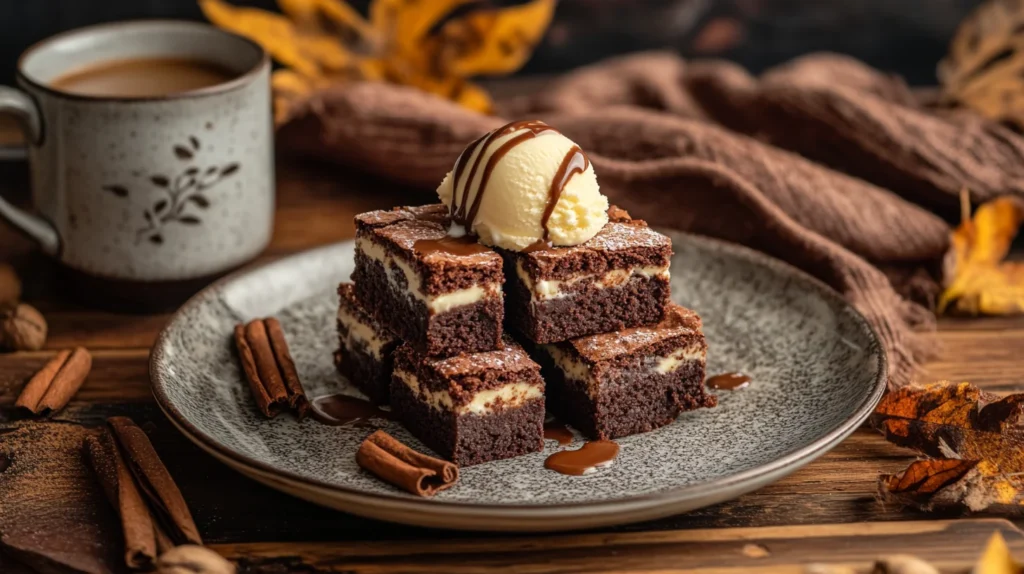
137	525
269	368
52	387
296	395
154	482
387	458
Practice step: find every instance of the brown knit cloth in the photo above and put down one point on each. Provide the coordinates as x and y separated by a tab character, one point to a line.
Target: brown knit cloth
648	123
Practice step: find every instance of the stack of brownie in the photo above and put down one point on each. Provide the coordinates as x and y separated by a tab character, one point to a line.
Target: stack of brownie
421	329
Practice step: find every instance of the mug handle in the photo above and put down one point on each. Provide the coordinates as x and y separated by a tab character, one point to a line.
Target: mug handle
19	105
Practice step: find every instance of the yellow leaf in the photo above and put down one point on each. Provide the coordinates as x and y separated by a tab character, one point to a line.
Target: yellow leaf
982	283
326	51
473	97
274	32
996	558
404	24
433	45
496	41
317	15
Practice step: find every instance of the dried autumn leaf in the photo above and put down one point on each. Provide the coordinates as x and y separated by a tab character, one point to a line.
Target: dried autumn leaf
976	439
996	558
326	15
435	46
274	32
983	284
984	69
495	41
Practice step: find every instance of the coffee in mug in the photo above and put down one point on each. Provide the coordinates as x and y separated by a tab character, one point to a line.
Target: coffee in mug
142	77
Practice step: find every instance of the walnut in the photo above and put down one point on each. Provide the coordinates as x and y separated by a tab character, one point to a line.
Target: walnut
10	285
191	559
22	328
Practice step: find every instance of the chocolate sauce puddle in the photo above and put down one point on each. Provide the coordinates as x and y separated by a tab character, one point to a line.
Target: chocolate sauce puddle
556	430
339	410
460	246
578	462
729	382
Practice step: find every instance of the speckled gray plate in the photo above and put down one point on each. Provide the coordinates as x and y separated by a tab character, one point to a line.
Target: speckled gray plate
818	371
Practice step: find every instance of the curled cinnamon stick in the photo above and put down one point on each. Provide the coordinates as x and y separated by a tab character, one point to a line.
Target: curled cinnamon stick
269	368
52	387
155	483
390	460
137	525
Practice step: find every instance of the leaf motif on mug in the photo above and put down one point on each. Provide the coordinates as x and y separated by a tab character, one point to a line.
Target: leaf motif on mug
160	206
189	220
192	171
160	180
211	170
199	200
116	190
148	216
156	239
229	169
195	142
182	153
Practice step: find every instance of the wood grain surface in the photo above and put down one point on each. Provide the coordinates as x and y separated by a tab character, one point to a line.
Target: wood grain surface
271	532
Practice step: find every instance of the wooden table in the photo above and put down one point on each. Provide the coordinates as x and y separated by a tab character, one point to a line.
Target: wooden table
825	512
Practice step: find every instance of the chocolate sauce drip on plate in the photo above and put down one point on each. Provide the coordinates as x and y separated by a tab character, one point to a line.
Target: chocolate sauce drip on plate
460	246
462	213
577	462
338	410
575	161
729	382
556	430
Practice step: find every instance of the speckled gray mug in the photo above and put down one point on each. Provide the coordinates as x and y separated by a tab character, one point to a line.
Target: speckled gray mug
144	198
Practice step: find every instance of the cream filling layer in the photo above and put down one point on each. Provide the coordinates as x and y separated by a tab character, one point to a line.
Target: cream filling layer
483	402
555	288
575	369
676	358
360	333
435	303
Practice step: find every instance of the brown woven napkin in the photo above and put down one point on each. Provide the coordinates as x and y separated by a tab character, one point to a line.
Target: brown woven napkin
666	142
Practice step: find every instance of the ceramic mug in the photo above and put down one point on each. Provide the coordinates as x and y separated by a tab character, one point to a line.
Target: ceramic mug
145	197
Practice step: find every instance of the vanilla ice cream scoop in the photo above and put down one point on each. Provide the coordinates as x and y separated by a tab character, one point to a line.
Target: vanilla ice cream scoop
523	184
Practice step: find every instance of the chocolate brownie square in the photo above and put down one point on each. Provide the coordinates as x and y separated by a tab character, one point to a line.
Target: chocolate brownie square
471	408
441	295
616	280
366	351
630	381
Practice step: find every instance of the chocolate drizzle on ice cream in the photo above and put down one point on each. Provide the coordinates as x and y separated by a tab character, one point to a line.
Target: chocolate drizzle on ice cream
460	216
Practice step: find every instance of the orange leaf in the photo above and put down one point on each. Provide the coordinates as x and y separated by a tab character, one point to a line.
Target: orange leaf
404	25
928	476
274	32
495	41
976	438
327	17
982	283
432	45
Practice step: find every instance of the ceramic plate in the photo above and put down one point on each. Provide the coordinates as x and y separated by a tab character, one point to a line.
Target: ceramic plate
817	367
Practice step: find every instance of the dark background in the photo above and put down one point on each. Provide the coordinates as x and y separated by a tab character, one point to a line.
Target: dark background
903	36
